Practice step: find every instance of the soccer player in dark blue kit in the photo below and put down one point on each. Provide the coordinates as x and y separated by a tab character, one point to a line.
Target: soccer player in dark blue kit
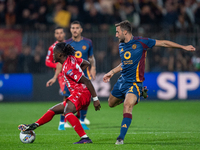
84	50
128	88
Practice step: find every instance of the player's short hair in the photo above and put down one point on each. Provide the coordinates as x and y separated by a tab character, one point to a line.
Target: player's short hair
125	25
77	22
59	27
64	48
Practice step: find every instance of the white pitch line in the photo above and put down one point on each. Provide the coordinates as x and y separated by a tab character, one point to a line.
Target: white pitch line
115	133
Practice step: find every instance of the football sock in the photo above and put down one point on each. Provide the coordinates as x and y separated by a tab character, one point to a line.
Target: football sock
46	117
85	136
83	115
73	120
62	117
125	125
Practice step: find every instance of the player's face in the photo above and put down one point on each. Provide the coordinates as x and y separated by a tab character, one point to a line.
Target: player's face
56	55
120	34
59	35
76	30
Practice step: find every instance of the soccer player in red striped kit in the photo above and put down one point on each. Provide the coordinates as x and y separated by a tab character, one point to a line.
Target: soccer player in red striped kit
80	87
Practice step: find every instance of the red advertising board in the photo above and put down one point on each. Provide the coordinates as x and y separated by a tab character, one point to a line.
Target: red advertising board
10	38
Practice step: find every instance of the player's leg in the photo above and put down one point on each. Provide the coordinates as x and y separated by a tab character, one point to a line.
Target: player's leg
65	93
129	102
131	99
83	113
57	109
69	111
114	101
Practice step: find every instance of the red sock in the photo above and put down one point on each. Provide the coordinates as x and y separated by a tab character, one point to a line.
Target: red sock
46	117
73	120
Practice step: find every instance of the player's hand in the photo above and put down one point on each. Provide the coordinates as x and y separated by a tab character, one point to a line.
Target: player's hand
50	82
93	72
97	105
189	48
107	76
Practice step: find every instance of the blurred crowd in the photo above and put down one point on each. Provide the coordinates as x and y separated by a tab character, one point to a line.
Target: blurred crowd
100	16
40	13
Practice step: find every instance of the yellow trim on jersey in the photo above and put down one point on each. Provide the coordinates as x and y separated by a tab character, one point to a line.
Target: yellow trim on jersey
88	73
137	88
137	73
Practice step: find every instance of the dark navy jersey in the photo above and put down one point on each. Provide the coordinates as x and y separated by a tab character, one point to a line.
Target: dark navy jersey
133	56
84	49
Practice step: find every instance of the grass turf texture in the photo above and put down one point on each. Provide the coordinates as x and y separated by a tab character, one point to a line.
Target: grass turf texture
156	125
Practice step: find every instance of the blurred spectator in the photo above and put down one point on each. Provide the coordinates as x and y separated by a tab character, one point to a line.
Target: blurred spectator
10	16
37	64
25	60
197	14
10	61
62	17
2	13
171	14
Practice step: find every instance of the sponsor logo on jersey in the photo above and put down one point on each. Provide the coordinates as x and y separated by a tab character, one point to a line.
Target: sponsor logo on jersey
127	55
71	74
84	47
69	71
122	50
134	46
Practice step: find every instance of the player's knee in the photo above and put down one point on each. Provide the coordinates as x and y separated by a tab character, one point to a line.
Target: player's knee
110	104
128	108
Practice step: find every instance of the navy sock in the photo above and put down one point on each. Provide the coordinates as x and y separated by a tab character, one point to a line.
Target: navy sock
83	115
125	125
62	117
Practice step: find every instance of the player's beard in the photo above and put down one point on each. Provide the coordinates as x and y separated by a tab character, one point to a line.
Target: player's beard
121	40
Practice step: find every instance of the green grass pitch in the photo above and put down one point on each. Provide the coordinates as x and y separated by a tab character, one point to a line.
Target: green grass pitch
156	125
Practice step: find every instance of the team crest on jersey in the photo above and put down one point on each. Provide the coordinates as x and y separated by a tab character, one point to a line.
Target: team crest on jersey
84	47
134	46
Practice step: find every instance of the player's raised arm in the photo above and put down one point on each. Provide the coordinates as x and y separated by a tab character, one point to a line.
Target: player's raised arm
107	76
53	80
93	66
90	87
166	43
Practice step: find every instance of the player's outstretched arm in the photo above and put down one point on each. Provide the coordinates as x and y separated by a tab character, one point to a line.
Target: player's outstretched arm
90	87
53	80
93	66
107	76
84	64
166	43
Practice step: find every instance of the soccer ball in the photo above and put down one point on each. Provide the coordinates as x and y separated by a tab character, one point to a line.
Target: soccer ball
27	136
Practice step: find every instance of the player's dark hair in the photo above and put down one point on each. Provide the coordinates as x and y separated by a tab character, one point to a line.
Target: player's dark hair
64	48
125	25
59	27
76	22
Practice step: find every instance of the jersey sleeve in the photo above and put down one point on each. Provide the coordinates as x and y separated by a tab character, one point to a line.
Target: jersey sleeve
79	61
49	62
149	42
75	72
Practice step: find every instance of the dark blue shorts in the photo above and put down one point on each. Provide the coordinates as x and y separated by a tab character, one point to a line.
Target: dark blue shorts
121	88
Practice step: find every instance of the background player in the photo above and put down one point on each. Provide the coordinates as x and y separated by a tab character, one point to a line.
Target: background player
60	37
84	49
79	86
129	86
